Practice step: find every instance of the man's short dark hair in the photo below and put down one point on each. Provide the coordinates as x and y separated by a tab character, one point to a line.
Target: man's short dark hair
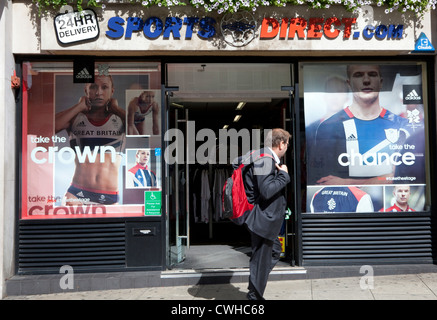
275	136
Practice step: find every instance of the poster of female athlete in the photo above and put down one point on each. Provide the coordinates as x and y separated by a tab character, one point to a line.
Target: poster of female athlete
365	129
76	142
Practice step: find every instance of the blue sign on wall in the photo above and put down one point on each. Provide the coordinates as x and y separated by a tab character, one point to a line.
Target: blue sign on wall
423	44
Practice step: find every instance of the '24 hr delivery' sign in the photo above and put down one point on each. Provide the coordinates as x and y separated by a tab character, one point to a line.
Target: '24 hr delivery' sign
76	26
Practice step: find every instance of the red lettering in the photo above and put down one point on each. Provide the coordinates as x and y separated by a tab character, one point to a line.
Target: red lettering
31	209
57	209
297	25
79	210
67	210
348	22
315	28
284	27
331	34
102	208
266	24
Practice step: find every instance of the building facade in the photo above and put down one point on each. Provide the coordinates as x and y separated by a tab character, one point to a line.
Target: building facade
119	133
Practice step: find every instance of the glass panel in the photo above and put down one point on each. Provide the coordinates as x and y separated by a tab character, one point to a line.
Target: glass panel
229	82
229	107
91	149
365	137
178	184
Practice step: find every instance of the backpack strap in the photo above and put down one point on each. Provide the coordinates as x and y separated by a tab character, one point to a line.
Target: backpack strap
243	163
256	159
265	155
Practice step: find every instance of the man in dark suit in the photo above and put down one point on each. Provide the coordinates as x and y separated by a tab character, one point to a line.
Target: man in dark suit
265	183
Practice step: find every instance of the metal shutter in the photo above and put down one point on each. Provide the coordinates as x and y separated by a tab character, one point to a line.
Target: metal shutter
356	239
46	247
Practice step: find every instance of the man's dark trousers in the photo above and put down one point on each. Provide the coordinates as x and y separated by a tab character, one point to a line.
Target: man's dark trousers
265	255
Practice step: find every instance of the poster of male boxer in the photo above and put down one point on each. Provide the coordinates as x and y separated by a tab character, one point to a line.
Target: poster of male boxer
364	124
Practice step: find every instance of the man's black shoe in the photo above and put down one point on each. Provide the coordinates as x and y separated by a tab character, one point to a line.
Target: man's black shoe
251	295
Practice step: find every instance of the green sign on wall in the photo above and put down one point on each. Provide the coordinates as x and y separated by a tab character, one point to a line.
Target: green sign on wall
152	203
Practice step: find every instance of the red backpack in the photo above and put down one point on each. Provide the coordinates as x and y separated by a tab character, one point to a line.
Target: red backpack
235	204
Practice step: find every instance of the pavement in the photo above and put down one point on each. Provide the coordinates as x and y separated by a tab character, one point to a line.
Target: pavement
417	286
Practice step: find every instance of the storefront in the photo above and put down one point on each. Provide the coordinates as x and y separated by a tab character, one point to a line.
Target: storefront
129	118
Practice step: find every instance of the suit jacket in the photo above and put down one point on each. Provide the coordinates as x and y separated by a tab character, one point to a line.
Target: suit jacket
265	188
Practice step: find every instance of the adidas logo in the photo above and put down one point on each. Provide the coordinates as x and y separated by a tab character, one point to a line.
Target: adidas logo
351	138
413	96
81	124
80	194
84	74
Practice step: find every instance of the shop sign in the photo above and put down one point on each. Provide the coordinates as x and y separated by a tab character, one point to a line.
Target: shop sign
316	28
239	30
73	26
154	27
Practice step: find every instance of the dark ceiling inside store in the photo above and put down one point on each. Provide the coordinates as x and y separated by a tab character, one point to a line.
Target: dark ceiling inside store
215	115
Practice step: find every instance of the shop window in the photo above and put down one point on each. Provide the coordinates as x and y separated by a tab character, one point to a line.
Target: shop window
91	140
366	137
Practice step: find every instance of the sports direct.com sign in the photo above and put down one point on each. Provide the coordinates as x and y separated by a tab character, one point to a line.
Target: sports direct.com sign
276	29
271	28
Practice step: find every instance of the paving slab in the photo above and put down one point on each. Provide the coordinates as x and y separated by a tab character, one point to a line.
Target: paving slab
289	290
421	286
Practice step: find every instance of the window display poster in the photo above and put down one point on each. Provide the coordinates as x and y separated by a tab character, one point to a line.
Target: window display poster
365	135
78	157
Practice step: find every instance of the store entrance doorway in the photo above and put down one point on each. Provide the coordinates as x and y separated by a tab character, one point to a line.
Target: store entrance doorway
214	113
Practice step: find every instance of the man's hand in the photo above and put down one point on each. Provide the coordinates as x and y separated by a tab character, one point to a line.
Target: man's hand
282	167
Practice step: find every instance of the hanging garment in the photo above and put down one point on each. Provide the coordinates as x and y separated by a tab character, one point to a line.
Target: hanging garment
205	196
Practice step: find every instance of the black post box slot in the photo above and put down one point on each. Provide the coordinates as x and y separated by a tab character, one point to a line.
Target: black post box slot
144	245
144	231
